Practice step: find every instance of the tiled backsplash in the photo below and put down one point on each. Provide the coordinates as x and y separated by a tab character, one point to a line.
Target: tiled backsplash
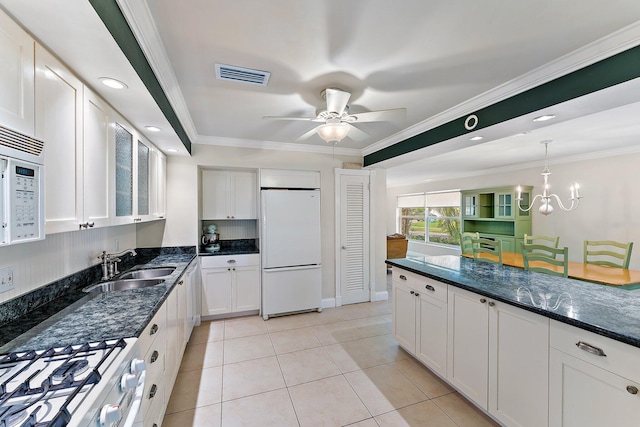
234	229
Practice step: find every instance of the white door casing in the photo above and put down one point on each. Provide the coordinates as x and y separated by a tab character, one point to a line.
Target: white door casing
352	239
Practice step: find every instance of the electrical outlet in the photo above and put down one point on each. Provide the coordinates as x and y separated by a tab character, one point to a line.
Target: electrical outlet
6	279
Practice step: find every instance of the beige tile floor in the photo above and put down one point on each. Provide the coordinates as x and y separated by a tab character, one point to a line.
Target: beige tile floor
336	368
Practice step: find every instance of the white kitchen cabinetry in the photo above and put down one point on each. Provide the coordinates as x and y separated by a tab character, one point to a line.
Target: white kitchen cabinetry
16	77
152	343
593	380
498	357
158	170
97	163
59	123
230	284
420	318
229	195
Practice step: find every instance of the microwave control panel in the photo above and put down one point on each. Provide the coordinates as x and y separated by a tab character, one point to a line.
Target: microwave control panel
24	202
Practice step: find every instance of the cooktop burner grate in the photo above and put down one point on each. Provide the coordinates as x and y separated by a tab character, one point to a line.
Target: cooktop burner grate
30	379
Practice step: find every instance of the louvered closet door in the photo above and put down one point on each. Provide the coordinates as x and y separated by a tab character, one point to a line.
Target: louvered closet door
354	238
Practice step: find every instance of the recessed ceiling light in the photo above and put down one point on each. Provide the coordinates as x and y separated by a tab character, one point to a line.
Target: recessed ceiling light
152	128
544	118
476	138
113	83
172	150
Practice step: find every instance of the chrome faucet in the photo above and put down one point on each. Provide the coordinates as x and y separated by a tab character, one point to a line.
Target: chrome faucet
110	262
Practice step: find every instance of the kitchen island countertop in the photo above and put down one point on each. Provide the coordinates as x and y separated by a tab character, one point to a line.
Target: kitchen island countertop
604	310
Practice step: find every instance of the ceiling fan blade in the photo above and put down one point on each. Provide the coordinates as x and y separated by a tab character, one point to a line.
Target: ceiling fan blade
336	100
356	134
307	135
306	119
379	116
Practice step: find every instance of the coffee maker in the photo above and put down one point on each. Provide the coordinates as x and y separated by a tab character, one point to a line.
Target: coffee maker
210	238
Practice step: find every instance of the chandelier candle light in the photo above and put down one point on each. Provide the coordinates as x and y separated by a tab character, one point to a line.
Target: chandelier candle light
546	208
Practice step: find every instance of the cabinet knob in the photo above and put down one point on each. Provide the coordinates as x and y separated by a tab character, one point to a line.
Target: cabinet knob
491	303
90	224
412	292
632	389
417	294
181	282
483	300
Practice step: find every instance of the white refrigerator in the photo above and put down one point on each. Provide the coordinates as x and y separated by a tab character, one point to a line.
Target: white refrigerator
291	259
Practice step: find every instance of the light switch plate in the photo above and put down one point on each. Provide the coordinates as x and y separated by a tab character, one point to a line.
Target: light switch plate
6	279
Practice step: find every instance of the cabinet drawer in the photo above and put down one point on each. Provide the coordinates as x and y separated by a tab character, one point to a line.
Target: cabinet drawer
420	283
619	358
153	329
229	261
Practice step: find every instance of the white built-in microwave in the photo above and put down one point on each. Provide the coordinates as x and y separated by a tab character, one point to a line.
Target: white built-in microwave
21	188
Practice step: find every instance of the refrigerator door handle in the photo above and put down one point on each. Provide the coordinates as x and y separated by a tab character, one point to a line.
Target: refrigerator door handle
297	267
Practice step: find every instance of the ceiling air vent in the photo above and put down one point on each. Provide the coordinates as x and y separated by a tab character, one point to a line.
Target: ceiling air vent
242	75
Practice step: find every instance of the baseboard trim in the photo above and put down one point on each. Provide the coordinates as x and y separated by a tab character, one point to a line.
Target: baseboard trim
380	296
328	302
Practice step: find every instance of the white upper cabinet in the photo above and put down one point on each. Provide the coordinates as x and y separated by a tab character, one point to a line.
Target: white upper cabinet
229	195
16	77
59	123
97	118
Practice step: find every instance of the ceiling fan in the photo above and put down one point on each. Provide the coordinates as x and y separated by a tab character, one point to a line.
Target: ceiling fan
337	120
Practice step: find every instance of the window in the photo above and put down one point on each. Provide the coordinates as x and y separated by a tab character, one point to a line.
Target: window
430	217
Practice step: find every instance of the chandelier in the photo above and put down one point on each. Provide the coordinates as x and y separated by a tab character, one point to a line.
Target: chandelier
546	208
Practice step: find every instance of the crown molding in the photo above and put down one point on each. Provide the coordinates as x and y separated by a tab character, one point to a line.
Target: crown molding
603	48
139	18
271	145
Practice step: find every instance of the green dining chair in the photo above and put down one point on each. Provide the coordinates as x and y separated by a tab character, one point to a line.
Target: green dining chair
491	249
466	246
607	252
548	256
538	239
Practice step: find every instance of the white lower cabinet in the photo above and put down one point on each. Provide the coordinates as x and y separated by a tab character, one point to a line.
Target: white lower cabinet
230	284
420	318
498	357
593	380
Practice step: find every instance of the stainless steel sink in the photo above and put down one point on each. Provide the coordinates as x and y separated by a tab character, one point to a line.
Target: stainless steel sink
123	285
148	273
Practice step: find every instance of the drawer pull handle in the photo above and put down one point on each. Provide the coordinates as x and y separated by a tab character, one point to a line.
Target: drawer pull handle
154	356
483	300
491	303
403	277
154	329
181	282
632	389
412	292
590	348
430	288
153	391
231	261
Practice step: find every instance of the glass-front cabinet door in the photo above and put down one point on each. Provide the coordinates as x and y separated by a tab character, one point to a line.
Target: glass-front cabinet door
143	190
124	172
470	205
504	205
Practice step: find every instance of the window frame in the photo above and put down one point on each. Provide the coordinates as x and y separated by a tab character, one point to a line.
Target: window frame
428	215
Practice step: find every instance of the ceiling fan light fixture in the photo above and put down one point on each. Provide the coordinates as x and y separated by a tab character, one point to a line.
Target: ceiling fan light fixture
333	132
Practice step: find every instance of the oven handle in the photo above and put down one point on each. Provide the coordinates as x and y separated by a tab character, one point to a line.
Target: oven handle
137	401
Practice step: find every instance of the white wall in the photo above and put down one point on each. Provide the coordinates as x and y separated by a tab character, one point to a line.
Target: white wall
608	211
36	264
182	224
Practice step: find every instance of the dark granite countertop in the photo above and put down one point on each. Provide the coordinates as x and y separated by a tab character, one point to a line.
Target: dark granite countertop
604	310
81	317
232	247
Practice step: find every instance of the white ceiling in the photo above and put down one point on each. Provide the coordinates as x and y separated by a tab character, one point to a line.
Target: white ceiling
440	60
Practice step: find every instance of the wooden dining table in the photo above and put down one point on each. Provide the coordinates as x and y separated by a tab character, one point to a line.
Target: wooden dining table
612	276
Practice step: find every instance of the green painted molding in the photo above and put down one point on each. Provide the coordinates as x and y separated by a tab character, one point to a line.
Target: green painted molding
608	72
116	24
